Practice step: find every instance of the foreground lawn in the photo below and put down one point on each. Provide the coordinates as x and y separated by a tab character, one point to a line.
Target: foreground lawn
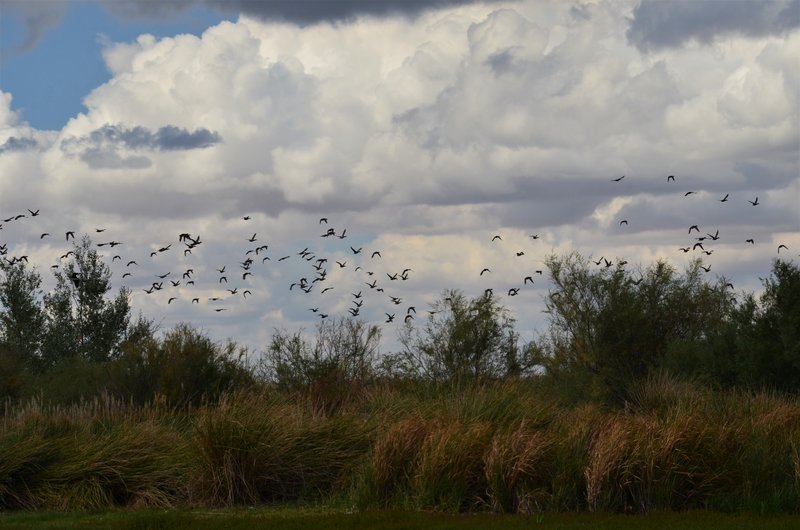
319	519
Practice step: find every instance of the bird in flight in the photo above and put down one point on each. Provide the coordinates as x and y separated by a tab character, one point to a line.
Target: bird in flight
671	177
725	198
484	270
618	179
754	203
782	246
623	222
496	238
688	193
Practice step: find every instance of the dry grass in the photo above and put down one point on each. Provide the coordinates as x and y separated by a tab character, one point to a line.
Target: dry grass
498	448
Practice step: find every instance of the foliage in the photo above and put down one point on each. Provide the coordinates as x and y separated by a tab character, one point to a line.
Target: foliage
185	367
757	346
497	447
463	340
21	318
609	330
80	320
339	361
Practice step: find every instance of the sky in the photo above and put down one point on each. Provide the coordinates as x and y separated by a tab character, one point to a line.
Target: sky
418	129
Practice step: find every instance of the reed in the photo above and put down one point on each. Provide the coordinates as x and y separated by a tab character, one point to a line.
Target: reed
500	447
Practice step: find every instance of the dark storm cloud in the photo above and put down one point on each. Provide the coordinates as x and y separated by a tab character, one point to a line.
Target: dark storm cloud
657	24
100	148
296	11
14	144
169	138
39	17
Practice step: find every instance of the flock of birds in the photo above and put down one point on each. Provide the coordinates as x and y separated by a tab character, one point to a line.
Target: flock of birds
221	287
232	282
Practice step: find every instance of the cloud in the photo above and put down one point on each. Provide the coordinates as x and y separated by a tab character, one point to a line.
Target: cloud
100	148
37	17
293	11
14	144
657	24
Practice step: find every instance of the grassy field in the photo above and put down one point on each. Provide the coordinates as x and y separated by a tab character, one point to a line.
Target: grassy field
498	449
301	519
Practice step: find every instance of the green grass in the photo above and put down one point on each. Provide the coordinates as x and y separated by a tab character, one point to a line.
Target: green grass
321	519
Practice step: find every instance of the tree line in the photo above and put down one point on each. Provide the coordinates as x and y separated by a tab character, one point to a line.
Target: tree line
609	328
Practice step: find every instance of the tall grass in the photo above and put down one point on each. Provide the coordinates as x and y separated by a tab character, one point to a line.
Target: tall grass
501	447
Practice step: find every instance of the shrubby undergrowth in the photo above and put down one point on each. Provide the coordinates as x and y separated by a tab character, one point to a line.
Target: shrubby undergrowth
651	390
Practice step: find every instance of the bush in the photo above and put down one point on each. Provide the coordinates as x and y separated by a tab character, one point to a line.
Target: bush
185	367
462	341
329	372
609	330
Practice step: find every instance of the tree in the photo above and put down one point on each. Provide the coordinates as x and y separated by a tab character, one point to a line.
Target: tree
21	317
185	367
779	325
463	340
610	329
328	370
80	320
